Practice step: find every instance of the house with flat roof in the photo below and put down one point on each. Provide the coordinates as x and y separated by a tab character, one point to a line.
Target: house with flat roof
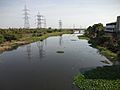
113	29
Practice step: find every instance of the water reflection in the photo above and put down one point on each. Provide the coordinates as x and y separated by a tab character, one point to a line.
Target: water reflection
60	41
45	42
29	51
55	72
40	46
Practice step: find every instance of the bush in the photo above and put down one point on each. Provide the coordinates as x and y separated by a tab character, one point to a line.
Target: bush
49	31
101	78
1	38
118	55
9	37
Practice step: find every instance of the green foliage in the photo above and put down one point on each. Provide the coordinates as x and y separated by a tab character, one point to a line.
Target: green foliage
106	72
49	31
95	31
107	53
9	37
1	38
118	50
101	78
98	37
83	37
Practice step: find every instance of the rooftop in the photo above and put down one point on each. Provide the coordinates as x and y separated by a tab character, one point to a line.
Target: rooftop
113	23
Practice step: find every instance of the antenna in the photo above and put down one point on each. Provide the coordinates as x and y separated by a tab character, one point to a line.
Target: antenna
26	18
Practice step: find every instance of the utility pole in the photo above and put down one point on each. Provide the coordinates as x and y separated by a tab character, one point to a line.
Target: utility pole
60	24
39	20
26	18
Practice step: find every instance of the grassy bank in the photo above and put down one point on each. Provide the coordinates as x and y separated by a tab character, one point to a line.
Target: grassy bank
103	50
83	37
106	52
101	78
29	38
109	54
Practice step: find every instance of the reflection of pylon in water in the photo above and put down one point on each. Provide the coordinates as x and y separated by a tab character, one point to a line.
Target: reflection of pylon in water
29	51
60	41
40	46
45	41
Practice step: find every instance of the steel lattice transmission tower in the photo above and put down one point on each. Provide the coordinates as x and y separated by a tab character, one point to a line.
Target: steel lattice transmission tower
26	17
40	20
45	25
60	24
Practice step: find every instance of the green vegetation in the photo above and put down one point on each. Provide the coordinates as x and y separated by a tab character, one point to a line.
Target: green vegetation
101	78
12	38
109	54
83	37
1	38
108	45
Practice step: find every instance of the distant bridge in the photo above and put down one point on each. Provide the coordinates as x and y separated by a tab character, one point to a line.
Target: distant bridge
77	31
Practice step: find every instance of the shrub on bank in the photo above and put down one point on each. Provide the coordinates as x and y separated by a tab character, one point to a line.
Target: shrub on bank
1	38
9	37
101	78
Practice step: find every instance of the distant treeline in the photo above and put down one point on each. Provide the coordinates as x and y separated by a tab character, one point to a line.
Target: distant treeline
16	34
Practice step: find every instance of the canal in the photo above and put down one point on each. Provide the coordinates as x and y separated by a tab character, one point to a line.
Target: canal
38	66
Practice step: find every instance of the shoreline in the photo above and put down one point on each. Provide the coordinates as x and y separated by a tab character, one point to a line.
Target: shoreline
9	45
102	50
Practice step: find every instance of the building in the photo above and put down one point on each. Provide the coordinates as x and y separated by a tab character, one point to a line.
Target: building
118	24
110	27
113	29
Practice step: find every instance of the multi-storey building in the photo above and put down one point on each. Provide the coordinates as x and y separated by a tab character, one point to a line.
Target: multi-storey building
113	29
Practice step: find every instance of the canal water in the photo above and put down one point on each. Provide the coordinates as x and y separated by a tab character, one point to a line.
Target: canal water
38	66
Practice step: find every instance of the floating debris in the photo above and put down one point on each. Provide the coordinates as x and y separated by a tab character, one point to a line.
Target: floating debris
60	52
106	62
73	40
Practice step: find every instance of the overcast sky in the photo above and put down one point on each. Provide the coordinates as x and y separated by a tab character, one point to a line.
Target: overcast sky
79	12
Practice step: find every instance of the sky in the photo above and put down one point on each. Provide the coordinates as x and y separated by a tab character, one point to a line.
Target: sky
81	13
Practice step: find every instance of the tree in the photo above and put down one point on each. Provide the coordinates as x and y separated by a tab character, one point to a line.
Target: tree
118	53
1	38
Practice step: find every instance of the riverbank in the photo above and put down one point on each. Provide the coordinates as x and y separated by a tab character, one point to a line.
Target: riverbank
103	50
83	37
26	39
101	78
